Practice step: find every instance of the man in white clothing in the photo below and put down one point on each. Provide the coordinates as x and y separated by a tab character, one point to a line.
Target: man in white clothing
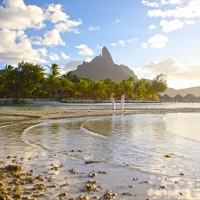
122	101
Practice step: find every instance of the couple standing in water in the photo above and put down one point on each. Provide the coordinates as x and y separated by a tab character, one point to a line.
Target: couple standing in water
113	100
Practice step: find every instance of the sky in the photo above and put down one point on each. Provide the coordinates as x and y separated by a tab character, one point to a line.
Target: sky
148	36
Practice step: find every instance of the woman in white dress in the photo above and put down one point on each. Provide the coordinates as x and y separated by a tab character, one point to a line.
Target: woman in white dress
112	101
122	101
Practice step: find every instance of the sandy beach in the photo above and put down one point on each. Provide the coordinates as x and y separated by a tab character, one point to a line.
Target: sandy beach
32	172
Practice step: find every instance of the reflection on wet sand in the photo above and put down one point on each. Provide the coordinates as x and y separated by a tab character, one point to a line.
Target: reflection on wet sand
48	150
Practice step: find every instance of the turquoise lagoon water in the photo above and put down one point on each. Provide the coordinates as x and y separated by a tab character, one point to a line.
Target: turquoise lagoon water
141	140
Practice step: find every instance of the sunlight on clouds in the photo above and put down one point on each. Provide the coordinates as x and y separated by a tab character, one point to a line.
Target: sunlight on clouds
99	47
54	56
158	41
88	59
152	27
64	56
69	26
191	10
16	45
50	38
113	44
57	15
72	65
15	4
151	4
172	25
174	68
12	52
16	15
43	51
188	22
176	72
85	50
174	1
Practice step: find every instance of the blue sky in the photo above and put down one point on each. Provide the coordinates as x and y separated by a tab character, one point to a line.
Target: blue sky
148	36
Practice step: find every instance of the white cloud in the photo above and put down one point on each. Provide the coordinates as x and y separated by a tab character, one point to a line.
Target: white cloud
93	28
151	4
188	22
116	21
15	4
158	41
72	65
191	10
85	50
174	69
145	45
172	25
69	26
43	51
64	56
152	27
54	56
88	59
113	44
16	15
132	40
174	1
99	47
15	47
50	38
122	42
56	13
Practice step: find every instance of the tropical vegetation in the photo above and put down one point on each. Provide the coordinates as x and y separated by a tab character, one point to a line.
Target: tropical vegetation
29	80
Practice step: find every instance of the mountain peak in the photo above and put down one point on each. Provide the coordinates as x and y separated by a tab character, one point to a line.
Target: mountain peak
102	66
107	57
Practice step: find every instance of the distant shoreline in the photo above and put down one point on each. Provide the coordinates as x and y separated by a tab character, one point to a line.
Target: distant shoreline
56	113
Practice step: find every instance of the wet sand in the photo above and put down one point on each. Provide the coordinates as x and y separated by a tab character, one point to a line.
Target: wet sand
53	175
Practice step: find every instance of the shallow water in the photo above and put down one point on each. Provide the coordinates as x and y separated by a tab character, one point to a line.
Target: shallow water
141	140
72	106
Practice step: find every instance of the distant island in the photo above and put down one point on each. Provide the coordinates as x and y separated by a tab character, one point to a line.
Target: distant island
183	92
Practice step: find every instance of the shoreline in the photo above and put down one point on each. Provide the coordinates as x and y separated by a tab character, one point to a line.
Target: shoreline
55	175
55	113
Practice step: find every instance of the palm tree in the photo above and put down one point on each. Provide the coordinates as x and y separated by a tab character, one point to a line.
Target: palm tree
2	82
109	87
54	70
159	83
127	87
98	88
82	86
51	83
64	84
